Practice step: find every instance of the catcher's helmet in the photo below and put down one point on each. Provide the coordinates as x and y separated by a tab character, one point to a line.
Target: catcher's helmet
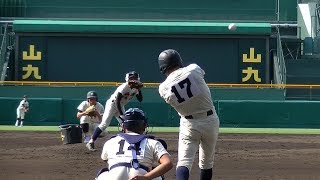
132	75
134	119
169	58
92	94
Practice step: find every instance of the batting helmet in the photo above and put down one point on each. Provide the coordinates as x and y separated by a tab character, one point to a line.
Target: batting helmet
134	120
132	75
92	94
169	58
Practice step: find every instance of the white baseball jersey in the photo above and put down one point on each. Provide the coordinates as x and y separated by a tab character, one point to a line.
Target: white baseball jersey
186	91
111	106
20	109
116	150
23	104
87	119
127	93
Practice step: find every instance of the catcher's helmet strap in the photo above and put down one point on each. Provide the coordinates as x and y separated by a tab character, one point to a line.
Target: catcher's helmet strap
133	140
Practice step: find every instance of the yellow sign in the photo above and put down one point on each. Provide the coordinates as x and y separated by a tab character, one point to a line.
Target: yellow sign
249	71
33	56
31	70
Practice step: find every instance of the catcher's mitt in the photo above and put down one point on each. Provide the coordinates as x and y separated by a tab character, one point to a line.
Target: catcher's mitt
90	111
135	84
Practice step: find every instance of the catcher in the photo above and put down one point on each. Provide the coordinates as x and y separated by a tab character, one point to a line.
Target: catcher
133	153
22	109
115	104
90	114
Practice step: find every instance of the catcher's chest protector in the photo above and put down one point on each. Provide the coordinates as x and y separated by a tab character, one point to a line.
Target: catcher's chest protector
134	141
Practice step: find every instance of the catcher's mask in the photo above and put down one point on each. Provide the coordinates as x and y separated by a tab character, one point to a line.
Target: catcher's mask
92	94
132	75
169	58
134	120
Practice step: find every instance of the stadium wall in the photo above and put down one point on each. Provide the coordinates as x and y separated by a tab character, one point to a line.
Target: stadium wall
248	10
239	107
232	113
105	46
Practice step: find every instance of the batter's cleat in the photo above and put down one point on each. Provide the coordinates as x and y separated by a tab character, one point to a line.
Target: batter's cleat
90	146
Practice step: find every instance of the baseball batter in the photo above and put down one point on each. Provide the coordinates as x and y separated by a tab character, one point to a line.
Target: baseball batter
133	154
88	121
22	109
115	104
187	92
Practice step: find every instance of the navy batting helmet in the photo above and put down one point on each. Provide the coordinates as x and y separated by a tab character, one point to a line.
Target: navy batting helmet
92	94
134	119
132	75
169	58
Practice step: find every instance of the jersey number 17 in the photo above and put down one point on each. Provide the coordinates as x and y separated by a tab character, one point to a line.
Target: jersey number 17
182	88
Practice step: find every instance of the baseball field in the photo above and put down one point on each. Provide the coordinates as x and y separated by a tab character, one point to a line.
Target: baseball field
38	153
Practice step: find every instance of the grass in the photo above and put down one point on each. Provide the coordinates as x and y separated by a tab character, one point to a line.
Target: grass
176	129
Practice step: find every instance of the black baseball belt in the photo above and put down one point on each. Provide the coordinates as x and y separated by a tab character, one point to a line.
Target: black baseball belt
210	112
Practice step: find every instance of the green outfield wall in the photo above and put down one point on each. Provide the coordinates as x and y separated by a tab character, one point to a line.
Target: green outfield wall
150	93
269	114
232	113
237	107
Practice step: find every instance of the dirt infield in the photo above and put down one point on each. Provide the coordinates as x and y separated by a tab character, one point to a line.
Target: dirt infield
41	155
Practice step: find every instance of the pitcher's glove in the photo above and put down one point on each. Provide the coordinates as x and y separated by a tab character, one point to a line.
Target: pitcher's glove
26	110
135	84
90	111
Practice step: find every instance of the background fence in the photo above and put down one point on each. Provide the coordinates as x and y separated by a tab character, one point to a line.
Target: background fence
238	105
